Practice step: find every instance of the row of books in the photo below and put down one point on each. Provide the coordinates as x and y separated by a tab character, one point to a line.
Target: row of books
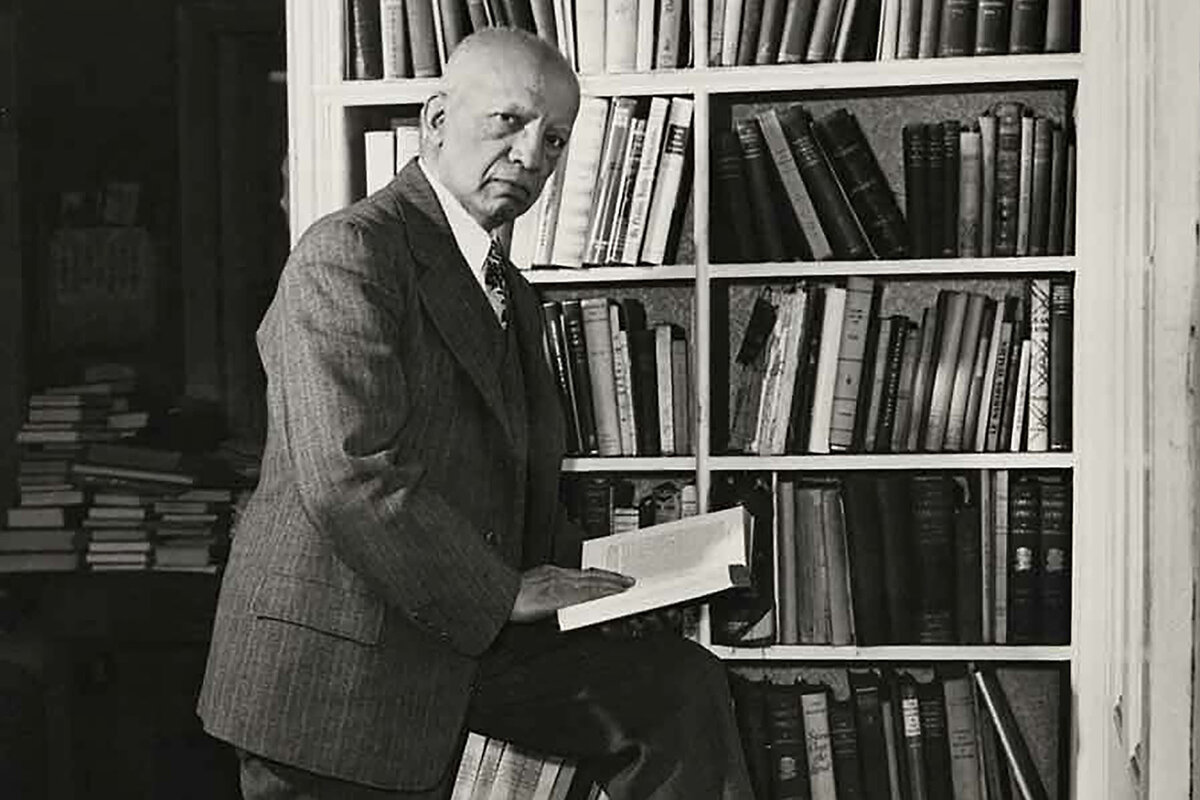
745	32
414	38
794	187
116	506
899	558
616	197
386	152
822	369
603	504
921	732
493	769
625	385
101	407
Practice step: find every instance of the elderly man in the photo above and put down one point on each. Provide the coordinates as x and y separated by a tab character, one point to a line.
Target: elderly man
391	582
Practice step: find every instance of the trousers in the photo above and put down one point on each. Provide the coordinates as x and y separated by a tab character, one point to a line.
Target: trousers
650	717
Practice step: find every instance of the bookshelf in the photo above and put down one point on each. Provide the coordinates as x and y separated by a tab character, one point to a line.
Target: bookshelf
326	116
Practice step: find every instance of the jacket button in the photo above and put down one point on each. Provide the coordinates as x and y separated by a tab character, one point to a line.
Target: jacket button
490	537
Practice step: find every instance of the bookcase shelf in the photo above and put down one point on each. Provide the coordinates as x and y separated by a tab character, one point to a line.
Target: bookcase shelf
893	461
913	653
606	275
972	267
1083	90
735	80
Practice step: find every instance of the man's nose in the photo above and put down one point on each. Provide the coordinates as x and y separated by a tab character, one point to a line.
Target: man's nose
528	149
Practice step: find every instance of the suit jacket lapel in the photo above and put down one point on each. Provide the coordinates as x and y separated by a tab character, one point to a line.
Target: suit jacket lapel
448	290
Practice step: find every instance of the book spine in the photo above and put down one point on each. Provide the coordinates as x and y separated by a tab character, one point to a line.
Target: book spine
935	188
1069	202
1019	402
590	22
815	707
991	27
579	182
923	381
951	130
970	188
797	24
899	555
598	342
1061	346
833	527
365	34
883	343
935	745
716	32
866	559
620	35
864	183
872	741
577	359
1027	30
732	34
770	32
737	242
916	176
1038	414
423	39
1000	520
1039	210
1024	558
860	292
547	221
662	381
987	201
756	135
931	18
1058	26
1025	186
393	27
963	373
889	399
1058	186
968	567
751	28
788	582
560	368
1055	560
843	738
976	408
787	747
639	206
670	176
833	209
617	229
910	712
454	28
951	323
907	389
604	199
957	34
1008	177
670	34
933	538
835	306
909	41
793	185
681	392
623	380
645	391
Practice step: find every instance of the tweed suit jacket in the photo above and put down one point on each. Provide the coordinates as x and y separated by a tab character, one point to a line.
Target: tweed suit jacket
399	498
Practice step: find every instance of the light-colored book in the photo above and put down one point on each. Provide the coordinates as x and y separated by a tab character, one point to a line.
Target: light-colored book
590	20
852	352
670	175
827	363
579	182
1038	414
379	151
672	563
643	186
620	35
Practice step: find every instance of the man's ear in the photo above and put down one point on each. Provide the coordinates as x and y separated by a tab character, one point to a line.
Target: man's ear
433	117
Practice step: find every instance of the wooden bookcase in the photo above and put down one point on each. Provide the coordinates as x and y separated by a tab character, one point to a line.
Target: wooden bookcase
324	107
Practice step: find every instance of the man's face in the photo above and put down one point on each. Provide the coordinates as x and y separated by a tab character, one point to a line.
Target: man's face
501	136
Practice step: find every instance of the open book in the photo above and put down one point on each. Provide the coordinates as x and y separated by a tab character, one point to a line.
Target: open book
672	562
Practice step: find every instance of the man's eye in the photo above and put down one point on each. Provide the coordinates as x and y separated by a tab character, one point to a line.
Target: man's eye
556	141
506	119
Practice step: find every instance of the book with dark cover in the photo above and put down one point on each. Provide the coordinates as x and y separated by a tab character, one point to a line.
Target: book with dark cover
758	183
913	736
1055	560
899	553
581	381
834	211
1062	310
991	27
1020	334
865	185
864	31
745	616
956	34
950	168
968	566
365	43
1027	29
1060	27
1039	210
808	352
935	188
608	180
1008	176
749	366
770	32
786	735
596	517
933	548
645	390
934	741
747	49
843	735
454	23
891	383
750	711
560	368
865	539
1058	190
1017	756
733	234
916	193
1024	560
520	15
797	29
872	739
423	38
870	368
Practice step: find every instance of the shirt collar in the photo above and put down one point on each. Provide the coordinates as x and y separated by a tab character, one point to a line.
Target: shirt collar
472	240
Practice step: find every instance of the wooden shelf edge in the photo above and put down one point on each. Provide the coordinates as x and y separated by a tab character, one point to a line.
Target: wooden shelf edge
898	268
629	464
594	275
774	78
894	653
940	461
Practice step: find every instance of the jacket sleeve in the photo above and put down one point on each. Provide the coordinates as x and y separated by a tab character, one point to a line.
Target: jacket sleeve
345	406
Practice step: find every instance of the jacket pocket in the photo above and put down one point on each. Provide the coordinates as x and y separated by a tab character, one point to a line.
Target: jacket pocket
320	606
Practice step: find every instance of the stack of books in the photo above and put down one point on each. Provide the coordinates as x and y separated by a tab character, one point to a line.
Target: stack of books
100	407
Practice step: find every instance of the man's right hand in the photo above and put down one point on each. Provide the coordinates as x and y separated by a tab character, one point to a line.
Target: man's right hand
547	588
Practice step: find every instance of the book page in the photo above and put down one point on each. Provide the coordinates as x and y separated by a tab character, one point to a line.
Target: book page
673	562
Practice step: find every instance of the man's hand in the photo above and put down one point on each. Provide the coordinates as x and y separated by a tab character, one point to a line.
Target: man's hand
547	588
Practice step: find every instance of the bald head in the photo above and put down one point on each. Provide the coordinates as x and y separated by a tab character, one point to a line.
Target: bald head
494	132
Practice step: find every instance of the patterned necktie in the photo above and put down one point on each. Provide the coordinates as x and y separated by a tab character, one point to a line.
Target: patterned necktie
493	279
